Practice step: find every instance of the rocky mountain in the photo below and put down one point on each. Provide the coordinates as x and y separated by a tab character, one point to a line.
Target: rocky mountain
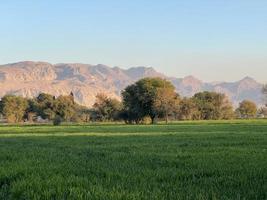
85	81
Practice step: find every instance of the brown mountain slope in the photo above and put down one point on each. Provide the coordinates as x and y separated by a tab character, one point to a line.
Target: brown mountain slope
85	81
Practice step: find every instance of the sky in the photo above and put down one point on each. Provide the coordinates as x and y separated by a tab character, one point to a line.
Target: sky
213	40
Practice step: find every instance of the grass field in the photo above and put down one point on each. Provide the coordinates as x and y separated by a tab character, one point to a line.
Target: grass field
185	160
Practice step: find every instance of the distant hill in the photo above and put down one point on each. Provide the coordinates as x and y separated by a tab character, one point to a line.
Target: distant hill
85	81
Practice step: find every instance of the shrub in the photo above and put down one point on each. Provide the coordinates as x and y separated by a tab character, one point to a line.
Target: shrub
146	120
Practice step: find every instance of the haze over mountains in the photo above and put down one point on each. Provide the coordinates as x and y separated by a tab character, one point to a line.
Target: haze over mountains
86	81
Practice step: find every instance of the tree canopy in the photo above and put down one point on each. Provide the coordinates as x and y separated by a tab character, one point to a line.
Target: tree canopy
145	101
212	105
187	110
149	97
106	109
247	109
13	108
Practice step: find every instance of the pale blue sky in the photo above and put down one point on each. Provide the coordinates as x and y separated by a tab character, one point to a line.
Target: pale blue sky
210	39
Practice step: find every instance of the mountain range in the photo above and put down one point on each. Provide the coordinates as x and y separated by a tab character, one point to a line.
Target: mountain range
86	81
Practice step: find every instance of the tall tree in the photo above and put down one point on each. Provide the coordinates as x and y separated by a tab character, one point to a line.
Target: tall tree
247	109
144	98
132	108
44	105
226	109
188	110
65	107
212	105
106	109
166	102
32	110
14	108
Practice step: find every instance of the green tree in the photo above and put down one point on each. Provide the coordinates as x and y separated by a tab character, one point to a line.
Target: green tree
132	108
32	110
83	114
107	109
49	107
247	109
212	105
44	105
143	98
166	102
226	109
65	107
188	110
14	108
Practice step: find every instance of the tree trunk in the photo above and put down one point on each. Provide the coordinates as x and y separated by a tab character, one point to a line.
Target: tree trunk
166	119
154	119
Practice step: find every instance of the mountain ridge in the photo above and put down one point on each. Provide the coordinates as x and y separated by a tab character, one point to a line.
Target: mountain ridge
29	78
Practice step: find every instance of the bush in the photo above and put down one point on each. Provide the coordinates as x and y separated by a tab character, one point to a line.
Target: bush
57	121
146	120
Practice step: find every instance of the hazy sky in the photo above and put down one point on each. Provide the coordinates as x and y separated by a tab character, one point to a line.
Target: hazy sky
210	39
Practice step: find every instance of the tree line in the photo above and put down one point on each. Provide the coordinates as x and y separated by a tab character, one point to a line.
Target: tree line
146	101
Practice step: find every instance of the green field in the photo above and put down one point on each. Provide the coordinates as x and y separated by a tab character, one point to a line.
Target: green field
185	160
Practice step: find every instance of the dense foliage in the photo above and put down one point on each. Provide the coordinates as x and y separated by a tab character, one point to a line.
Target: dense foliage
156	98
247	109
151	97
106	109
212	105
13	108
145	101
43	107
